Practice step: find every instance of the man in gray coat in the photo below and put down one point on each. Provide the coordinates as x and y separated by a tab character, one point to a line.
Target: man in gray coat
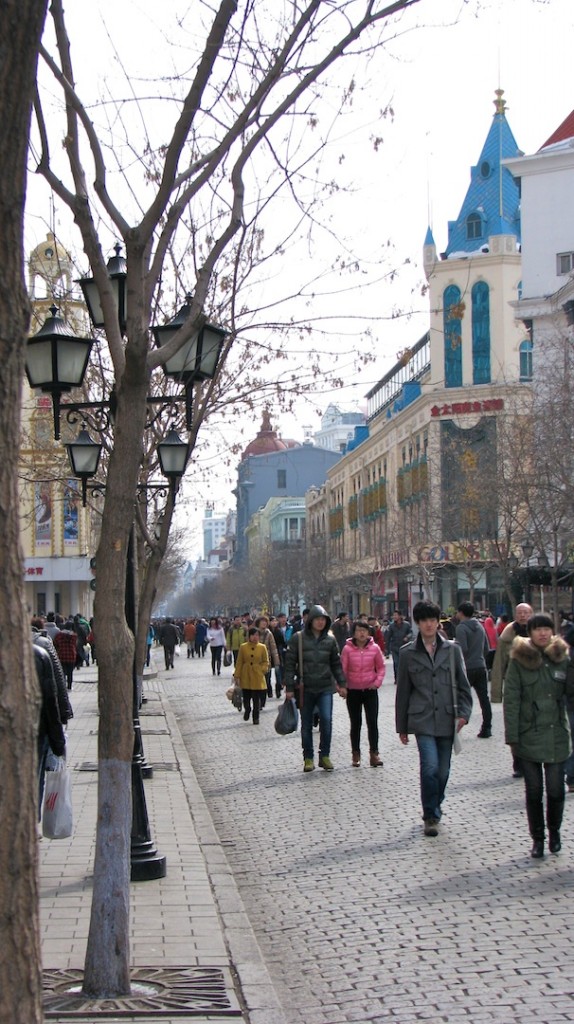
433	700
471	635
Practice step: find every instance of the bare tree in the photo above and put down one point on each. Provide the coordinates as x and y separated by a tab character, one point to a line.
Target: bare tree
542	477
248	82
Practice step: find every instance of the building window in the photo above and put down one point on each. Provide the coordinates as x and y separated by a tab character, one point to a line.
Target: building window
281	479
293	529
480	333
453	311
564	262
525	352
473	226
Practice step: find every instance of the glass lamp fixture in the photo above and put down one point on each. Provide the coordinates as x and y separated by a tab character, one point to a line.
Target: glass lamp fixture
56	361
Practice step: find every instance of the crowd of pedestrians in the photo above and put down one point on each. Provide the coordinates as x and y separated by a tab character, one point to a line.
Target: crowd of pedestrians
438	662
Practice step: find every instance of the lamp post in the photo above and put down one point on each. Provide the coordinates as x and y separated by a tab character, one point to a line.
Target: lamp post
56	362
410	579
527	550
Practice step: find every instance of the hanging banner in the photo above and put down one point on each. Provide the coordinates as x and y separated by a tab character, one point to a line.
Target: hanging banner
43	514
71	514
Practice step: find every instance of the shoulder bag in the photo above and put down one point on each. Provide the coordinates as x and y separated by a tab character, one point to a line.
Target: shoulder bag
456	740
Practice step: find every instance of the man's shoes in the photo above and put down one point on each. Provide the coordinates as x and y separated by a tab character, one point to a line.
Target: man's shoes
277	690
308	765
554	844
517	774
356	759
374	760
430	827
255	721
485	733
326	763
246	716
537	850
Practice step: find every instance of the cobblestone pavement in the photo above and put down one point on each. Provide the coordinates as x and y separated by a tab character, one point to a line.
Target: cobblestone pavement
359	916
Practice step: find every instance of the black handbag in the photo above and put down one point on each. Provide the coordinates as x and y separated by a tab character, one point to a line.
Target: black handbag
227	658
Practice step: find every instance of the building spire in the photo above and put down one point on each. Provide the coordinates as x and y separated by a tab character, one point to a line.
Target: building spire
499	102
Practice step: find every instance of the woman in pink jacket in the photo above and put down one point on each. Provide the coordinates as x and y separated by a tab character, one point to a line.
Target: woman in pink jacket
364	668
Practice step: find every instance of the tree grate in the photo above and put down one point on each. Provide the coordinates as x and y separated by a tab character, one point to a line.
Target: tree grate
159	766
156	991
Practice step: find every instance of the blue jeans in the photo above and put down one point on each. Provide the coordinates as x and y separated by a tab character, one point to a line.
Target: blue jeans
323	704
434	753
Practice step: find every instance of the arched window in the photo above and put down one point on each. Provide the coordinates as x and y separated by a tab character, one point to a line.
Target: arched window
525	352
473	226
480	333
452	337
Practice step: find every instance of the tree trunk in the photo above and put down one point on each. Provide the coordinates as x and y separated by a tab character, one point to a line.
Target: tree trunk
148	583
107	964
20	952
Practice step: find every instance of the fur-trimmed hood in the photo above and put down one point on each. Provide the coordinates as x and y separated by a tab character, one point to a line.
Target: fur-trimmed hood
529	656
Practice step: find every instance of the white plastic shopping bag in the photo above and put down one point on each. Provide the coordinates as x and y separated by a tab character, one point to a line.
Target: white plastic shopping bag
57	816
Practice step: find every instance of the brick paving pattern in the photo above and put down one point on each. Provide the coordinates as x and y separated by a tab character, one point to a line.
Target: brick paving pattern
358	916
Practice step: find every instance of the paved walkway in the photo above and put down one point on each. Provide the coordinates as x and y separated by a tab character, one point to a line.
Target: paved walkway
192	918
362	918
316	896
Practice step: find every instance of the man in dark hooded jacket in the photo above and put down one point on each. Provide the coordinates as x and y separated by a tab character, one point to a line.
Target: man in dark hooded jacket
471	635
321	675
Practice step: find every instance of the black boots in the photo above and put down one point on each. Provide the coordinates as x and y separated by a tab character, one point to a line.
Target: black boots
554	844
537	850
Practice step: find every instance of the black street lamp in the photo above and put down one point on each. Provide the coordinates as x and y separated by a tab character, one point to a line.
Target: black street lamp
117	272
84	455
196	360
173	454
56	361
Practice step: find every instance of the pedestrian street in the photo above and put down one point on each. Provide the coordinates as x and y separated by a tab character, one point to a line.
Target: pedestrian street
359	917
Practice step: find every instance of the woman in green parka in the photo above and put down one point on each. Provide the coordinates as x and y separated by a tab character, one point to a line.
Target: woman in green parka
536	724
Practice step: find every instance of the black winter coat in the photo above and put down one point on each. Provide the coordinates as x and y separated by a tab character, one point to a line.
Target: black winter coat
50	724
321	661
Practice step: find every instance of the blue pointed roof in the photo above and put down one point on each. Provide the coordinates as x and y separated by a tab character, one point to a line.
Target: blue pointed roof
429	237
492	203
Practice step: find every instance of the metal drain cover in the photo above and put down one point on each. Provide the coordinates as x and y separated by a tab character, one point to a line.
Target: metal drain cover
156	992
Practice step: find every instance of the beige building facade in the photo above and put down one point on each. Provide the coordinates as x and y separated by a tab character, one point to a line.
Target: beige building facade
413	510
57	534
